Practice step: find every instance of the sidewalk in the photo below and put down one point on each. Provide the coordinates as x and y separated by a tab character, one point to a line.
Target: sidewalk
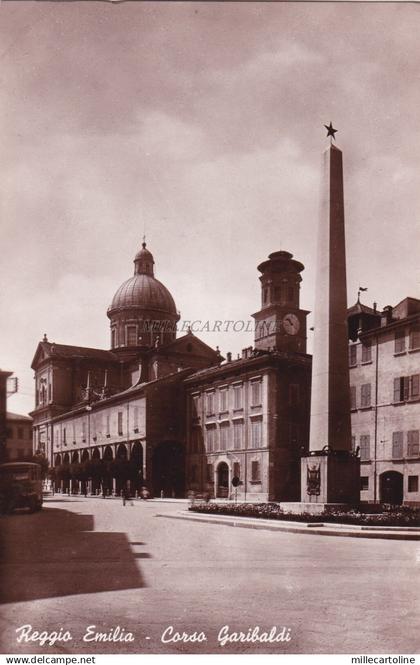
319	529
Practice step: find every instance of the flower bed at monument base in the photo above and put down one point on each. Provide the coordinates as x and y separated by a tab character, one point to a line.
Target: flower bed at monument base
390	515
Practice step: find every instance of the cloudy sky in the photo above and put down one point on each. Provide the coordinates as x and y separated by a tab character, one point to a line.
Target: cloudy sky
201	123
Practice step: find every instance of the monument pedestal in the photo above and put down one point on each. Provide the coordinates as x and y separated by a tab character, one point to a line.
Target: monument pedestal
332	478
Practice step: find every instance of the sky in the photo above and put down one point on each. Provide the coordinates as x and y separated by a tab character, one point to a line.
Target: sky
200	124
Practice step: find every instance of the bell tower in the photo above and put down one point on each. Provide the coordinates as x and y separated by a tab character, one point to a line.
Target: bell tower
280	324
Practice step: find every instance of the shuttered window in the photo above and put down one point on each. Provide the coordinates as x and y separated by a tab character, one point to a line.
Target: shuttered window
353	355
397	445
365	447
399	344
238	428
413	443
255	471
365	396
353	397
224	436
366	352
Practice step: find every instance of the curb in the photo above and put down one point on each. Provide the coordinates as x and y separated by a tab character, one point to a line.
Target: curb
299	527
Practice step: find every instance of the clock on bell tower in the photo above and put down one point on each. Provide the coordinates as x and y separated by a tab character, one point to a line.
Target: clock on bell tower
280	325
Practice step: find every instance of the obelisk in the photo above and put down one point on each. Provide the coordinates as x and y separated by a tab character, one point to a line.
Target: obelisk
330	474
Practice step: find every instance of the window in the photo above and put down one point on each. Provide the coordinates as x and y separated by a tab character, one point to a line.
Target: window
83	430
113	338
413	443
256	433
365	395
136	418
397	445
414	387
294	394
210	404
108	421
236	470
210	473
265	296
223	400
365	447
131	335
364	483
211	439
64	436
290	293
196	406
413	483
353	397
399	343
353	355
415	338
120	423
255	393
238	428
401	388
224	436
20	432
366	352
353	443
237	397
255	472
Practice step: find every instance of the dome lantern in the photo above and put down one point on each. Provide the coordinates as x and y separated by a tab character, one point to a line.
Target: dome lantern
143	261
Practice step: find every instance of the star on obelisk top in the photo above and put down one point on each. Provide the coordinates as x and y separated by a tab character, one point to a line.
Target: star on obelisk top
330	131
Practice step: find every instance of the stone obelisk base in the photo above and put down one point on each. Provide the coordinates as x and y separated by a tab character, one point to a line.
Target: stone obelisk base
332	478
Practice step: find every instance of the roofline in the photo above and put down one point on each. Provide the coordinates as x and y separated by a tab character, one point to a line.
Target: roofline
263	359
391	326
17	416
123	395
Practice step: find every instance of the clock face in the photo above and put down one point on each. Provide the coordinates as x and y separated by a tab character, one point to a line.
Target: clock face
291	324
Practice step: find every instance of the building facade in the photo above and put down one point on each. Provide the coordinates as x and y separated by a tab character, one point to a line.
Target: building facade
384	360
19	437
248	418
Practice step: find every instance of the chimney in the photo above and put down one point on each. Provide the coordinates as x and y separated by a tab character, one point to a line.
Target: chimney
229	357
386	315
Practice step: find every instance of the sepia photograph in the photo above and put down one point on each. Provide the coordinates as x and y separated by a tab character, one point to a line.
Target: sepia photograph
210	330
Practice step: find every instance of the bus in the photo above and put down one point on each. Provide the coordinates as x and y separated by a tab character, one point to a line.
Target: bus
20	486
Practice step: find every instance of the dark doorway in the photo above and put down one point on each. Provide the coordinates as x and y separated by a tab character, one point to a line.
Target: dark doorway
108	458
392	487
136	467
222	481
96	471
168	470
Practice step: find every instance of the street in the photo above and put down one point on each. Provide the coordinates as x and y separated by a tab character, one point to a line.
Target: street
94	562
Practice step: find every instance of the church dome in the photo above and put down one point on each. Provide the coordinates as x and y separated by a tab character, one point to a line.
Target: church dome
143	291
